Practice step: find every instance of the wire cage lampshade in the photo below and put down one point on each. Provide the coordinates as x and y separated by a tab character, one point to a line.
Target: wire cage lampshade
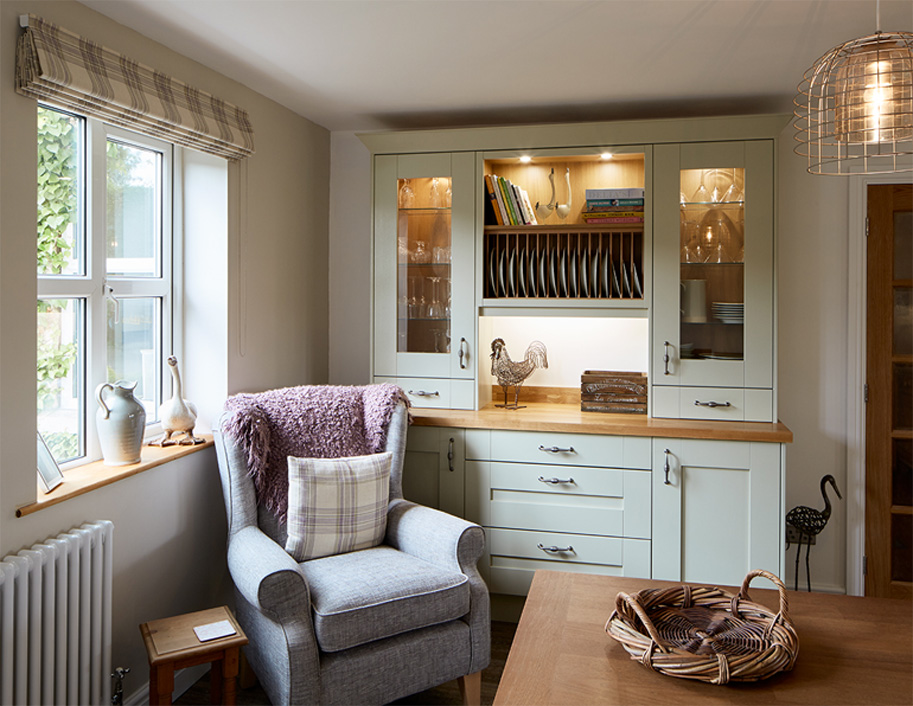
854	107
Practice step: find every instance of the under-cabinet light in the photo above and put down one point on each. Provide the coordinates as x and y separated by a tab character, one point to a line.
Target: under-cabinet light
606	155
526	159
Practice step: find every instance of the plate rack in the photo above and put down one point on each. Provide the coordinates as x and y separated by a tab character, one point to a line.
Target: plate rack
571	263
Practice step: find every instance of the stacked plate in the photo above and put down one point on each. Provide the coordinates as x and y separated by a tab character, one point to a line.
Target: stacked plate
729	312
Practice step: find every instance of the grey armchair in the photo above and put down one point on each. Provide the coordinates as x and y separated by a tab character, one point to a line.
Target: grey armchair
364	627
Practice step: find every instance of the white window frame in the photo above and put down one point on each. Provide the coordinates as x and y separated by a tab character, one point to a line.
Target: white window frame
95	287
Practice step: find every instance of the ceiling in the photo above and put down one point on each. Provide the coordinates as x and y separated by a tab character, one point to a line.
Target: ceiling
394	64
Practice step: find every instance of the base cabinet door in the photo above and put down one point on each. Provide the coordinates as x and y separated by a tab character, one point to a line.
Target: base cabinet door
717	510
433	468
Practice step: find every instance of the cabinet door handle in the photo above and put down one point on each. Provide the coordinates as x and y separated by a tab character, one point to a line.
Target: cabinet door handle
698	403
556	550
556	481
667	467
463	342
450	455
557	450
423	393
666	346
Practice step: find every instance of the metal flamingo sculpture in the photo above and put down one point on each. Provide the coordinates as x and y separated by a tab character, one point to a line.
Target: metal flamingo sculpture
809	522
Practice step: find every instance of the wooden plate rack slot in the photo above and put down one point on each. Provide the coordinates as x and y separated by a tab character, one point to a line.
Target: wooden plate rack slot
571	263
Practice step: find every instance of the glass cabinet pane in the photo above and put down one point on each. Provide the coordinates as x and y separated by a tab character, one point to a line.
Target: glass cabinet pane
424	246
712	285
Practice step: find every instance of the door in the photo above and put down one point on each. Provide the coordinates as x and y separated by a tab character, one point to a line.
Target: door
889	379
424	215
433	468
713	265
717	510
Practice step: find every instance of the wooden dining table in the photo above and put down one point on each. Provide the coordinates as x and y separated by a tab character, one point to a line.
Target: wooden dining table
852	650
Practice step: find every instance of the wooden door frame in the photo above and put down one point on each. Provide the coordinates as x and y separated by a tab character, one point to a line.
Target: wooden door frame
857	259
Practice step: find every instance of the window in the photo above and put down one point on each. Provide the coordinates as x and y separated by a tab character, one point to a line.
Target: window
105	272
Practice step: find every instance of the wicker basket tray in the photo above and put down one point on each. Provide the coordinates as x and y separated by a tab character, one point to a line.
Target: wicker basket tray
703	633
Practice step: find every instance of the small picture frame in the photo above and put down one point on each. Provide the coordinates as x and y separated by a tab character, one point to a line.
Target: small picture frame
49	475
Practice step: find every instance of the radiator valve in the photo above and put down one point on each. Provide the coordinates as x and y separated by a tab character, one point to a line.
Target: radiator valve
117	692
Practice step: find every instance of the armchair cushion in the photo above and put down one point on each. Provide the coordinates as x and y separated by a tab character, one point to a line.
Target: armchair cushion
336	505
375	593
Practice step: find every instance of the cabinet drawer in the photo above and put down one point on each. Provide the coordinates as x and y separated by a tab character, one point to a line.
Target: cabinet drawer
434	393
593	501
515	555
570	449
744	405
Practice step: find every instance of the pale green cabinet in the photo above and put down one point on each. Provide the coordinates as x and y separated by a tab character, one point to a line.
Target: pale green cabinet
713	328
433	468
717	510
424	284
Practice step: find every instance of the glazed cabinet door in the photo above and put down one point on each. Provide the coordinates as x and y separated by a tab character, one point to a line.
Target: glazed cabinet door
433	468
717	510
713	318
424	213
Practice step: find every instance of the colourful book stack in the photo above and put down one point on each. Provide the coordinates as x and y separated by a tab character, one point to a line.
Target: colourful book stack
607	206
509	204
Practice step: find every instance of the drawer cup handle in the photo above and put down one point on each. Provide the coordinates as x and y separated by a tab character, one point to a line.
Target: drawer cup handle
555	481
698	403
423	393
557	450
556	550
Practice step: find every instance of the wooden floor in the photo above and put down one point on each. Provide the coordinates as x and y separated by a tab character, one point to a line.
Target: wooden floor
502	634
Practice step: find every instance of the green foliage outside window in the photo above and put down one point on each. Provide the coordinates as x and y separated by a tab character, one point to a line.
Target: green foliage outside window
58	200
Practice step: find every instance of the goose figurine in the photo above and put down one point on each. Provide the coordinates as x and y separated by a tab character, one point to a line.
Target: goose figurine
544	210
563	209
178	416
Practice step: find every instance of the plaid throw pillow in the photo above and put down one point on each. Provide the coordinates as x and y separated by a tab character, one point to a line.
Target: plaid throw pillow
337	505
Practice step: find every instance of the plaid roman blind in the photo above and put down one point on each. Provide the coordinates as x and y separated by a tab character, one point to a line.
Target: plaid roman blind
56	65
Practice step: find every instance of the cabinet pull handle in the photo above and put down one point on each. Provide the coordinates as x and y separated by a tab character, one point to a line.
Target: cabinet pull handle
557	450
666	346
667	467
555	481
556	550
463	342
450	455
698	403
423	393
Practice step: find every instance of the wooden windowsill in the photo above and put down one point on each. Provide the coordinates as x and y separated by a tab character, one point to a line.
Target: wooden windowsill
82	479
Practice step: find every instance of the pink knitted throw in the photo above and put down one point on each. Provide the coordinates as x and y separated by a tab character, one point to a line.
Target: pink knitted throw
308	421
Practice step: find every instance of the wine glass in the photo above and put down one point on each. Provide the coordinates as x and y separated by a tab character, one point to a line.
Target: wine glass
436	194
436	307
701	195
733	193
406	195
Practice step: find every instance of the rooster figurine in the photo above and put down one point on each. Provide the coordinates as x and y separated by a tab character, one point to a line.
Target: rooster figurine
509	372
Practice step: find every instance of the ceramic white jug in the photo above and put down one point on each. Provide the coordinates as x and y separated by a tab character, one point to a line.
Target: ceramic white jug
121	423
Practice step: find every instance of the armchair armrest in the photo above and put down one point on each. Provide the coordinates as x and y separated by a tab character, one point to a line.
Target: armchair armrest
266	576
435	536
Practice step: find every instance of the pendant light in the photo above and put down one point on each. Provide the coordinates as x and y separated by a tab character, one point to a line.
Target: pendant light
854	107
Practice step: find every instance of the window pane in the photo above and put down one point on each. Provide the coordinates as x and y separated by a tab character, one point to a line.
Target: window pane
134	207
60	187
134	348
60	399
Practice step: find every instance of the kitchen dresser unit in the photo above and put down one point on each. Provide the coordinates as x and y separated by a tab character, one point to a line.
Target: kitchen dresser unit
694	490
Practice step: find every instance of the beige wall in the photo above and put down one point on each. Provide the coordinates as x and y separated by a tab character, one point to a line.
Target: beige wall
169	522
812	311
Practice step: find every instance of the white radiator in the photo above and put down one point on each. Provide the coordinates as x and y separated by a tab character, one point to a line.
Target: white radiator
55	619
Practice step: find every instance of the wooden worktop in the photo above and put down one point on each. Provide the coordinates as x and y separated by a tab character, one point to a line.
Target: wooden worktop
539	416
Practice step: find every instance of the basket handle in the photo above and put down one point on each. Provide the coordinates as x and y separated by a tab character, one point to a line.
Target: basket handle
781	589
634	602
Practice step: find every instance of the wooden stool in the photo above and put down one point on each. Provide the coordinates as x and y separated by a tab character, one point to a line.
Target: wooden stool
172	644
